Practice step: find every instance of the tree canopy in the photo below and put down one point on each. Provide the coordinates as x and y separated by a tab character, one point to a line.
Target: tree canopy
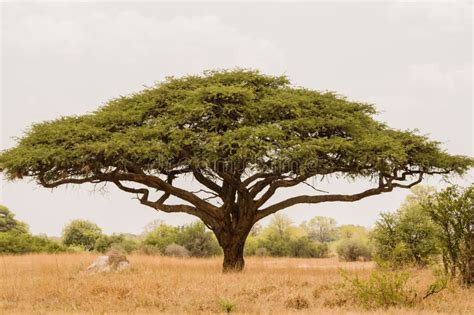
241	134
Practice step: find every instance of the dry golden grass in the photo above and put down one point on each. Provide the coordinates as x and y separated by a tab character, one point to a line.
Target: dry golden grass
58	284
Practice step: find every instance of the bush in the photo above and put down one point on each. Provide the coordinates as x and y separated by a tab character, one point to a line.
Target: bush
406	237
198	240
119	242
226	305
251	246
304	247
162	236
194	237
14	242
452	210
81	232
353	249
176	251
382	289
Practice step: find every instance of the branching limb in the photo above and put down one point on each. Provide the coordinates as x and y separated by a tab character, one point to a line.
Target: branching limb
382	188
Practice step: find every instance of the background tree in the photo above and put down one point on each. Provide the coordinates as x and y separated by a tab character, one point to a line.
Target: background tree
407	236
81	233
322	229
9	223
452	210
16	239
242	135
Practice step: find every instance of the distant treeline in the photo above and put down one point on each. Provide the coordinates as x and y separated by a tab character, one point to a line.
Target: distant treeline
428	227
318	237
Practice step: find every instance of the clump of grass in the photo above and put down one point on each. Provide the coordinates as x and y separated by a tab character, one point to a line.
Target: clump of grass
227	305
297	302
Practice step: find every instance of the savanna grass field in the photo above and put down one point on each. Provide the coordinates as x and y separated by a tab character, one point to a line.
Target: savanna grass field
58	283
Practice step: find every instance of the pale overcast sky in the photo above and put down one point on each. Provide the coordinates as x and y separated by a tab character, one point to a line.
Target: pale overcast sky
413	60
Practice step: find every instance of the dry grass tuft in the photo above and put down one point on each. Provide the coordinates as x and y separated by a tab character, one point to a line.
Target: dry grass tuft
58	284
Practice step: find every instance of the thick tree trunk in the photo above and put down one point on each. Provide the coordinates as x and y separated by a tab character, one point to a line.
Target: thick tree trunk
233	246
234	256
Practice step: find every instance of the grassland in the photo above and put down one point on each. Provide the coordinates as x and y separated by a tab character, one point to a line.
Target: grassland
58	284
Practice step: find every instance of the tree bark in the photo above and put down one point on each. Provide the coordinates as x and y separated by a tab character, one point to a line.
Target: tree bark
234	256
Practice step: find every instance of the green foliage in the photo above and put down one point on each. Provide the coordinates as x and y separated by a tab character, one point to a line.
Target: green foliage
9	223
354	249
251	246
14	242
162	236
408	236
198	240
194	237
350	231
305	247
227	305
321	229
116	241
82	233
382	289
227	116
282	238
452	210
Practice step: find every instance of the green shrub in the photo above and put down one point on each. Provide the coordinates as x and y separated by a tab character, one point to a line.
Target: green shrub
452	210
406	237
305	247
381	289
226	305
14	242
251	246
198	240
162	236
118	242
354	249
81	232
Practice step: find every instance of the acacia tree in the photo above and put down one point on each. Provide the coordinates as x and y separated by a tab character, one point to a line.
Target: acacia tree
242	135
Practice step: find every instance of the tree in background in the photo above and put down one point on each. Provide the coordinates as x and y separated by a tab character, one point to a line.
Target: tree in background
81	233
119	242
242	135
407	236
16	239
350	231
9	223
162	236
195	237
321	229
282	238
452	210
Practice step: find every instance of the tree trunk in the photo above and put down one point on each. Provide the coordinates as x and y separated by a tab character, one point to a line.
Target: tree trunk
234	256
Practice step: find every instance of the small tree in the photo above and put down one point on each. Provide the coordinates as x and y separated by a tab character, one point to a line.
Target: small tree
453	211
321	229
242	135
353	249
162	236
198	240
81	233
407	236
